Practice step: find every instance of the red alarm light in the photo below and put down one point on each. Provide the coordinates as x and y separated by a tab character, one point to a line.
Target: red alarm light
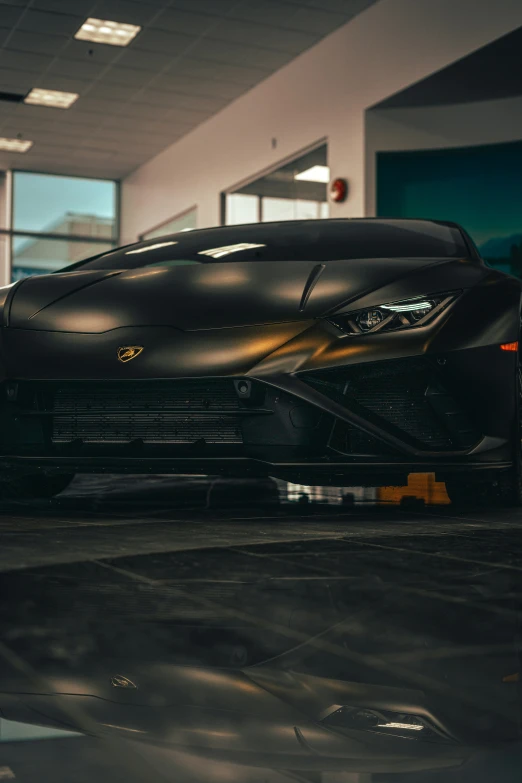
339	190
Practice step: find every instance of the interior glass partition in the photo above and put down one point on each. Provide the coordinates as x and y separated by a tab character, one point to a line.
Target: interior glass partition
297	190
478	187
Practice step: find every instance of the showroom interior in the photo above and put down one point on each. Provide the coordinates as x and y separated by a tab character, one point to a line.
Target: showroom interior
197	628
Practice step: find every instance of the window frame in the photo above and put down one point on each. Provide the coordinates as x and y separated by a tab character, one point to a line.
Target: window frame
323	141
142	237
11	233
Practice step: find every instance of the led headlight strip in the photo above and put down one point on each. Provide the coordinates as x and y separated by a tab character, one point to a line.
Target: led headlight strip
392	316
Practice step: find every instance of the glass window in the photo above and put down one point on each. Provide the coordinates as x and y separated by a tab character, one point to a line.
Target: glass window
185	222
64	205
296	191
291	209
39	256
242	208
4	259
3	200
478	187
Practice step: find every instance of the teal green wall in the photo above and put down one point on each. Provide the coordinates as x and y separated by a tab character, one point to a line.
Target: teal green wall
478	187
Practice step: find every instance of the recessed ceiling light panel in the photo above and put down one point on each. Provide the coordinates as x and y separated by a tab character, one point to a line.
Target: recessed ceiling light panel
315	174
106	32
15	145
53	98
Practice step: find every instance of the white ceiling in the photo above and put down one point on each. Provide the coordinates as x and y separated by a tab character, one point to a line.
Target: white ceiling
191	59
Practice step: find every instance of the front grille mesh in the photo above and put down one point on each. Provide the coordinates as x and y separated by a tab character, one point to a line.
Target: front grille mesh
402	402
402	394
184	411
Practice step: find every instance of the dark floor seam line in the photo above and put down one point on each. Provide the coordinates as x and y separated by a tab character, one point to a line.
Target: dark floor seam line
436	555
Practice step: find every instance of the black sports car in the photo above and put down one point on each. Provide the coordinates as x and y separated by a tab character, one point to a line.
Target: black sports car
344	352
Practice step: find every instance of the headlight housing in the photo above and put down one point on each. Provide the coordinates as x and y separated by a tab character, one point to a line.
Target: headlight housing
377	721
404	314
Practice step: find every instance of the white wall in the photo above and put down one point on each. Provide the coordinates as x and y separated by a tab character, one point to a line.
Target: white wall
437	127
322	93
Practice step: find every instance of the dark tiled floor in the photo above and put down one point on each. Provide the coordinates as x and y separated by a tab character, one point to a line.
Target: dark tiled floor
242	626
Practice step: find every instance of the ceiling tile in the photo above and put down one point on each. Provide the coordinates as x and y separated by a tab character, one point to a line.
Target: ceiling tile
63	83
7	110
47	22
92	103
241	74
177	21
189	86
12	129
204	104
39	115
191	59
5	32
292	41
318	22
237	54
9	15
36	43
136	134
76	68
146	61
90	52
347	7
124	11
76	116
16	81
272	12
263	35
176	130
126	76
182	115
81	7
142	120
111	92
216	7
75	131
24	61
162	41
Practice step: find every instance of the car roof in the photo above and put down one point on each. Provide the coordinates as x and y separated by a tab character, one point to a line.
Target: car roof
278	229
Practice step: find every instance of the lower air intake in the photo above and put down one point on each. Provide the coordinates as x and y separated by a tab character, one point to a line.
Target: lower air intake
405	396
184	411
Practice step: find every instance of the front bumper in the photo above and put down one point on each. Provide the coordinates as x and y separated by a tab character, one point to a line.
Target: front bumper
368	424
320	408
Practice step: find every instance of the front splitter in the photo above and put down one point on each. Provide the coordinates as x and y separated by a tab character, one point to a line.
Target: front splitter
355	473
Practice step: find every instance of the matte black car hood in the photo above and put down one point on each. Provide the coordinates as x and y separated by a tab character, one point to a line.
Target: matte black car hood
200	296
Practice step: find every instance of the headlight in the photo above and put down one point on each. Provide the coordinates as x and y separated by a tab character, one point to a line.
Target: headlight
395	724
394	315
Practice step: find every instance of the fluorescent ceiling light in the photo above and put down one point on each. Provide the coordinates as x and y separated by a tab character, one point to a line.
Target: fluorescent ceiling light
315	174
149	247
218	252
15	145
54	98
106	32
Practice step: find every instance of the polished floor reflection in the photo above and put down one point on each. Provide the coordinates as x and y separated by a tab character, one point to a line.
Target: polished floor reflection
199	630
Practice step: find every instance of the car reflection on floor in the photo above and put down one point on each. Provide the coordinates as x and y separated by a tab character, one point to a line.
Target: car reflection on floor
203	630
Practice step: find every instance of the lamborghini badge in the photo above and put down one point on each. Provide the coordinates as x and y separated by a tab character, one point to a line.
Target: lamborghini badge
128	352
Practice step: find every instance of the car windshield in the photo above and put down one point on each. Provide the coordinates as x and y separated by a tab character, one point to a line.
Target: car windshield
304	241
